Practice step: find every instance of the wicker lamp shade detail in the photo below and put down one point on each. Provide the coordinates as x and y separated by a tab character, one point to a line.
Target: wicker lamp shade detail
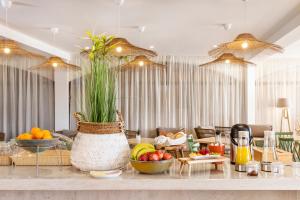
141	61
282	103
245	45
11	48
56	62
228	58
121	47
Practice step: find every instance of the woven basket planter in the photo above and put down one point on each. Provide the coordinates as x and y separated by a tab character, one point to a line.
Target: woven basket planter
100	146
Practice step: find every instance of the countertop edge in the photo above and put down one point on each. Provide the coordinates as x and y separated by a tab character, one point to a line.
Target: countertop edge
44	184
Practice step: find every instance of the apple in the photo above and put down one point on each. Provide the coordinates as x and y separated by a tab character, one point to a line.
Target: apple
167	156
153	157
160	154
204	151
144	157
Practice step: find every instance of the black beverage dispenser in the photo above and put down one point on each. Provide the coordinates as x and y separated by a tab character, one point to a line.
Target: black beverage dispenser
234	139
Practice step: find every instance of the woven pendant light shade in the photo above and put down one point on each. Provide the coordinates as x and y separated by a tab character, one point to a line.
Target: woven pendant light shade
228	58
121	47
11	48
56	62
141	61
245	45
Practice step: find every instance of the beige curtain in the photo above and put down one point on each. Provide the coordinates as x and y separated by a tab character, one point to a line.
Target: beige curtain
27	98
182	95
276	78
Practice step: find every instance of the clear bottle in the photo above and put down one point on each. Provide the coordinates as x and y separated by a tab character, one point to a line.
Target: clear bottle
190	141
218	139
243	154
269	151
138	138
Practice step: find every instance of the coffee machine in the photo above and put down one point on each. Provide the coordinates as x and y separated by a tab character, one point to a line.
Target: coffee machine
234	135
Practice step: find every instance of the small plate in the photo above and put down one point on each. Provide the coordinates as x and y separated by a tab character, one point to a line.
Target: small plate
205	157
106	174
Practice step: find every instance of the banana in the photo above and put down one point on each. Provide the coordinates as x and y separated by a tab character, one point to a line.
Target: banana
143	151
140	146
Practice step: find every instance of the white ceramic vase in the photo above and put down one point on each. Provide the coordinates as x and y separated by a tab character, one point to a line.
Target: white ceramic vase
100	151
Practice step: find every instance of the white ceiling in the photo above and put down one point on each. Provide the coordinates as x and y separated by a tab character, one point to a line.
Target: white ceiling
176	27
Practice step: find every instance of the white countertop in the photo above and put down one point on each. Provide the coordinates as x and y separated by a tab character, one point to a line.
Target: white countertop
68	178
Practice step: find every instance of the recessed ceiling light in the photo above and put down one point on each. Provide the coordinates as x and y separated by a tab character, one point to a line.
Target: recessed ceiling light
142	29
227	26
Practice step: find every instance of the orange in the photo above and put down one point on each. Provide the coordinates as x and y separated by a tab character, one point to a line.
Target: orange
34	130
47	137
25	136
38	135
46	134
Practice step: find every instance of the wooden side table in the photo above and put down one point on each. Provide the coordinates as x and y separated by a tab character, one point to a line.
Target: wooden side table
190	162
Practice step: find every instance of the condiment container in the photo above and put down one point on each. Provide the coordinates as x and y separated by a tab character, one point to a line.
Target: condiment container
277	168
252	168
296	168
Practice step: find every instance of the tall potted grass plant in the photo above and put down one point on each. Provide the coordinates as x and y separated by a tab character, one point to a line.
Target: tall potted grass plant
100	143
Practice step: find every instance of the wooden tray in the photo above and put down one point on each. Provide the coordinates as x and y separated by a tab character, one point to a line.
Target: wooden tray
46	158
190	162
5	161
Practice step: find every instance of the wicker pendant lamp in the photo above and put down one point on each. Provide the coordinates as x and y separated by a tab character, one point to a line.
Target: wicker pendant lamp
228	58
56	62
245	45
11	48
121	47
141	61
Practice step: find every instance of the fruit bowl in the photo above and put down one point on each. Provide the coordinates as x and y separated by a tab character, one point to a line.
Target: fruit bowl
151	167
37	145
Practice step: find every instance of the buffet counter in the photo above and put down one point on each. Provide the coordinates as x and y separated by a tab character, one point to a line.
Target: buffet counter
69	183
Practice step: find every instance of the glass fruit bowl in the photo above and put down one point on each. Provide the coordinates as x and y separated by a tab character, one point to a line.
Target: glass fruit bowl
37	145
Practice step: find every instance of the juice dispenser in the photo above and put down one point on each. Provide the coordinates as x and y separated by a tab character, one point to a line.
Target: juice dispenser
269	152
243	152
234	135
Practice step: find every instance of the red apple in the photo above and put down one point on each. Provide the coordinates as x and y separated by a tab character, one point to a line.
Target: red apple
144	157
204	151
160	154
167	156
153	157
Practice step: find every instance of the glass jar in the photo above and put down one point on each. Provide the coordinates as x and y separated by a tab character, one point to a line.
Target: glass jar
296	168
5	149
277	168
243	152
252	168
